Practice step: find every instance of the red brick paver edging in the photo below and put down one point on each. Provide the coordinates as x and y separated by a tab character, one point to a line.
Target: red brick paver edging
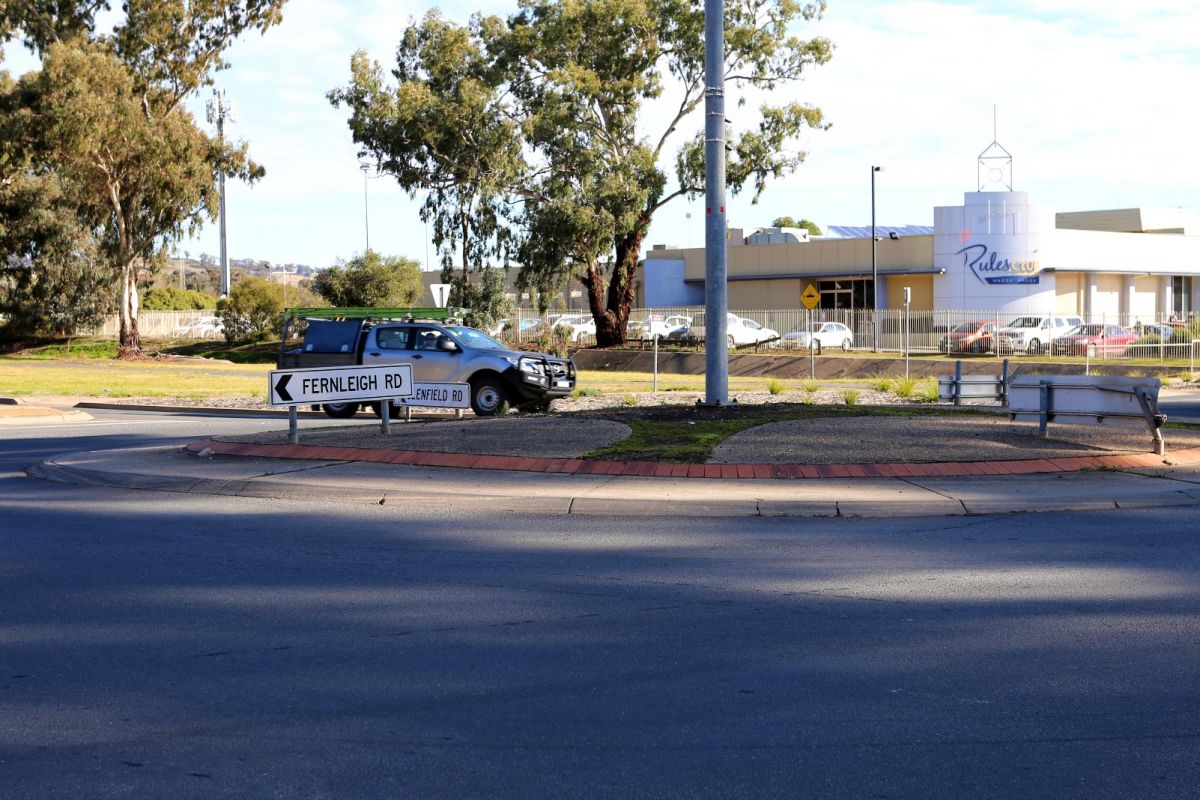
577	466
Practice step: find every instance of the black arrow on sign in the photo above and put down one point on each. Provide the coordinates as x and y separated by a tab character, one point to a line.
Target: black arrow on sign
281	388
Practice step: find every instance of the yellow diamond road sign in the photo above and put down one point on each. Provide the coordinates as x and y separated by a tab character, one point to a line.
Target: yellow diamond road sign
810	297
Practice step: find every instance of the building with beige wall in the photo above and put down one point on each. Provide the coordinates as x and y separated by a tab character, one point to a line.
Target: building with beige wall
996	252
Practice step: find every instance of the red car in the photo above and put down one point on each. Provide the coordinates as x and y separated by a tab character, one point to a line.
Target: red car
1101	341
971	337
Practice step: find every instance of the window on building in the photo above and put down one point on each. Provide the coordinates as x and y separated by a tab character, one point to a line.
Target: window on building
846	294
1181	295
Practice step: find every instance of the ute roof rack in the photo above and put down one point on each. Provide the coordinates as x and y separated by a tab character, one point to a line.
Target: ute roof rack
370	313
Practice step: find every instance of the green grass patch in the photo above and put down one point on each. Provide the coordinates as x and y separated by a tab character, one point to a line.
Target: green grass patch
775	386
81	348
588	392
680	441
881	384
850	397
812	387
111	378
692	441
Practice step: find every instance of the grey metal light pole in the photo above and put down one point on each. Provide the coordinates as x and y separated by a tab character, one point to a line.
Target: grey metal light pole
874	269
219	109
716	299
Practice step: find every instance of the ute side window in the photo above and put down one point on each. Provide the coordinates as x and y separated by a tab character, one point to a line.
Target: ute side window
392	338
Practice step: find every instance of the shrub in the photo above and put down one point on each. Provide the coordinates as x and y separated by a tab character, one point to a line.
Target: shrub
580	392
881	384
371	280
630	400
775	386
812	387
905	387
172	298
252	310
850	397
927	391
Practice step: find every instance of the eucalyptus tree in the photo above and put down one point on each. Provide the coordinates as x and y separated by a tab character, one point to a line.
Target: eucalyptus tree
106	115
586	101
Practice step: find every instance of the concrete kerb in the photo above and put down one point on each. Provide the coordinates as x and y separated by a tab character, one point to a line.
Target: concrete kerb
171	469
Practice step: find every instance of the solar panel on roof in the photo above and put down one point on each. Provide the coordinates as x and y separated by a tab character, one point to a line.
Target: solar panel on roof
864	231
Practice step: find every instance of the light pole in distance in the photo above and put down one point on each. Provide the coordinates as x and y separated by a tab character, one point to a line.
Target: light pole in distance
874	269
366	168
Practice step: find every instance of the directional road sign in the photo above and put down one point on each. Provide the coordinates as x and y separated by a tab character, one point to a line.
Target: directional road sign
437	395
288	387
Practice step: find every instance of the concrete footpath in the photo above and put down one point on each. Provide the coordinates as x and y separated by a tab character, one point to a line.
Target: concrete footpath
1076	475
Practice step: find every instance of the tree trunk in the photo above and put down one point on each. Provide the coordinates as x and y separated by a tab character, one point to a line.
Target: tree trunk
131	340
612	321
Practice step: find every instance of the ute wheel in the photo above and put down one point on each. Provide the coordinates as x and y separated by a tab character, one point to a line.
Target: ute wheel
1034	348
732	344
846	345
487	397
394	411
544	407
340	410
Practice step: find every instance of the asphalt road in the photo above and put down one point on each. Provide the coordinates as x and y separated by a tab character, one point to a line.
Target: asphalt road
162	645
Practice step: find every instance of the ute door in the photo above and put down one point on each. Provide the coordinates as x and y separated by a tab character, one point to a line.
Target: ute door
431	362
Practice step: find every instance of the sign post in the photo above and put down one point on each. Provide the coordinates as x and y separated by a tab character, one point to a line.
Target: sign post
810	297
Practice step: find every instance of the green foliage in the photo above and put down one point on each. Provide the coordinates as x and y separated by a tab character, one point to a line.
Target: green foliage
486	300
371	280
105	116
812	387
51	285
927	391
172	298
252	310
630	400
808	225
580	392
881	384
528	134
850	397
775	386
555	342
1185	334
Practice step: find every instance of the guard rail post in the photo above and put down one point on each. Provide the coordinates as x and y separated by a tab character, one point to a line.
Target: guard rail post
1045	397
1004	383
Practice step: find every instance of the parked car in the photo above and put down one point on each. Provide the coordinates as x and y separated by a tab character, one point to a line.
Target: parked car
971	337
825	334
656	326
578	325
201	328
1098	340
1160	330
742	331
1033	335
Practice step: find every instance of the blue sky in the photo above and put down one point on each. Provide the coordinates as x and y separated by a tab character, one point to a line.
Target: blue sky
1093	103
